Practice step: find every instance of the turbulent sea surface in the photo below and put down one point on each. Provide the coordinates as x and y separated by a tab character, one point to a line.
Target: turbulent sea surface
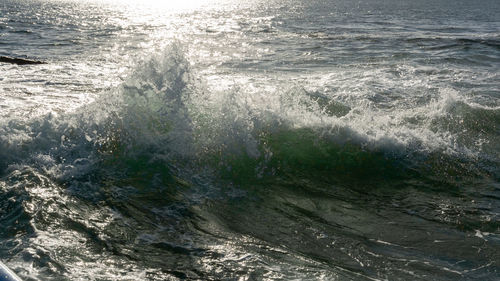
250	140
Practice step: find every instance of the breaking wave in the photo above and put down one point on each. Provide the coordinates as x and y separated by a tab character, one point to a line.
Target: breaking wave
124	176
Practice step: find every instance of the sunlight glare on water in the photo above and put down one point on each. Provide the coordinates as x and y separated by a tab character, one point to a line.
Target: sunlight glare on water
162	5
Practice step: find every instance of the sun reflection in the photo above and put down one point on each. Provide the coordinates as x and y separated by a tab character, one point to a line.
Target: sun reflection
175	5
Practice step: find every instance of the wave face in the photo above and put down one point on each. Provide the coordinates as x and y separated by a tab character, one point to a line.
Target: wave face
351	154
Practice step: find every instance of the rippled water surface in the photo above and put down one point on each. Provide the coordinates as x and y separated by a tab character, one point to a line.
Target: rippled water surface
250	140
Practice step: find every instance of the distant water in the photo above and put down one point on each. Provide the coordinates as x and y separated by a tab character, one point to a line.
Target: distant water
250	140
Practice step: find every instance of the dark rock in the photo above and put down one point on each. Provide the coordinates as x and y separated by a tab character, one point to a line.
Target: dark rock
19	61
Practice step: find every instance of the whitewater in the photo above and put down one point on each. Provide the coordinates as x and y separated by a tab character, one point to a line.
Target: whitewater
250	140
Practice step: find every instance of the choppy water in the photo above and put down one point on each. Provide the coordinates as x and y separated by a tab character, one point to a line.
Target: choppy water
250	140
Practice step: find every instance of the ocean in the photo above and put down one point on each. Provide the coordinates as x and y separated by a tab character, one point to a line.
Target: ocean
250	140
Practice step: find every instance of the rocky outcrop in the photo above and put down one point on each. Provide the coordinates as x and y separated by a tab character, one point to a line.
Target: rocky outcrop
19	61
